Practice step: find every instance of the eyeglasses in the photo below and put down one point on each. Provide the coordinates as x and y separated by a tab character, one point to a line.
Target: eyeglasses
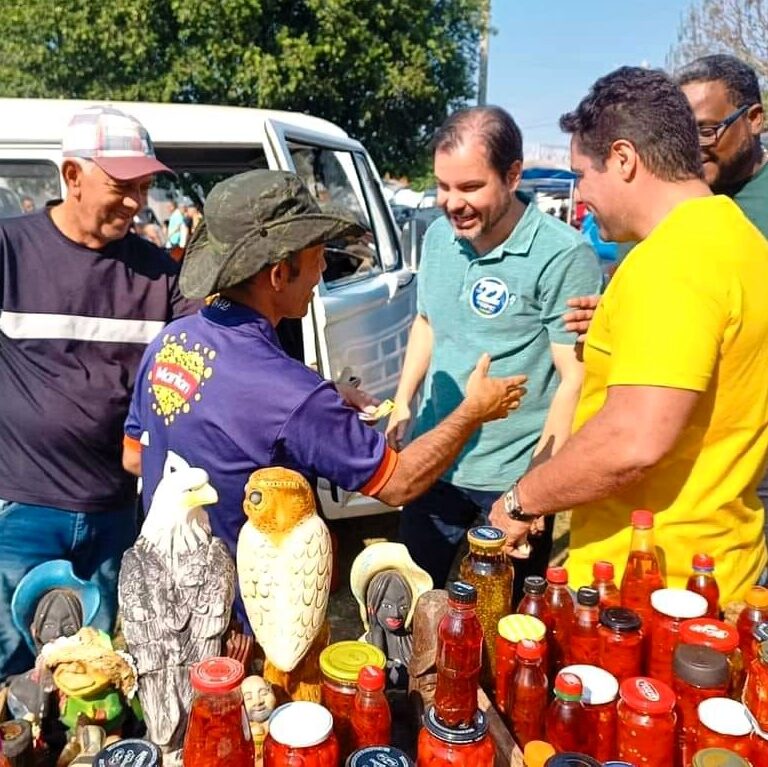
709	135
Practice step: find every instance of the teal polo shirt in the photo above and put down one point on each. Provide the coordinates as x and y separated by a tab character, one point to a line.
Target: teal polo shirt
509	303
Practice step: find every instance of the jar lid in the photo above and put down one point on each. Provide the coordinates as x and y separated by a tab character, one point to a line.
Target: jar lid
15	737
568	686
300	724
128	753
217	675
557	576
534	584
458	735
700	666
648	696
718	757
342	661
529	650
679	603
588	597
620	619
642	519
487	537
599	686
725	717
371	678
536	752
516	627
703	562
571	760
617	764
757	596
462	592
378	756
709	632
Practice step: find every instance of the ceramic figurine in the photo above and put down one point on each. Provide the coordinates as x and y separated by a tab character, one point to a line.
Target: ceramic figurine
387	583
284	565
259	703
176	589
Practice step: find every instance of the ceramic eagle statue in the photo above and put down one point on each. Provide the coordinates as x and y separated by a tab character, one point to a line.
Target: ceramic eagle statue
176	589
283	564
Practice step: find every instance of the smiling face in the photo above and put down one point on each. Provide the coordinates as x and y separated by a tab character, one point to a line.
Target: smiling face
258	697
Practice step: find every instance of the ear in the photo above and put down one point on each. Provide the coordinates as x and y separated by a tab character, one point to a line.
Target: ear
514	175
756	117
72	174
624	159
278	276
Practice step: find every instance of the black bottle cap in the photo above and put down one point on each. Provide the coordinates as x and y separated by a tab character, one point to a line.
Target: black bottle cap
620	619
462	734
535	584
377	756
700	666
588	596
571	760
129	753
459	591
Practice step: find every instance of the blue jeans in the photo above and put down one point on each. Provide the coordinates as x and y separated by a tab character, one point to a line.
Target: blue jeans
434	526
31	535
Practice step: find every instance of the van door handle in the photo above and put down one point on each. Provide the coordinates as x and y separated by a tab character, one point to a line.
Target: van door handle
397	281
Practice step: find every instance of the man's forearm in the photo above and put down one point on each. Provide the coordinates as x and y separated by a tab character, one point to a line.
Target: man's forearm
557	427
416	363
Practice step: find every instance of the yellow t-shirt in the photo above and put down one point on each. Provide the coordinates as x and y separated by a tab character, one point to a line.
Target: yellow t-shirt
687	309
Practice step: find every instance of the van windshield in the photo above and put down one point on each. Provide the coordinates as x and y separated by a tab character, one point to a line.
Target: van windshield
26	186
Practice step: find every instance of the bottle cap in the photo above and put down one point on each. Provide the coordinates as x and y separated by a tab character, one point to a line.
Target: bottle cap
515	627
648	696
709	632
700	666
557	576
620	619
757	596
377	756
341	662
534	584
536	753
599	686
462	592
486	538
217	675
568	686
129	753
462	734
588	597
642	519
300	724
718	757
704	562
528	650
603	571
371	679
679	603
567	759
725	717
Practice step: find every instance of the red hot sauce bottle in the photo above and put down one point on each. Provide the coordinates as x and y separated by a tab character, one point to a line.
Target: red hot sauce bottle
702	581
371	717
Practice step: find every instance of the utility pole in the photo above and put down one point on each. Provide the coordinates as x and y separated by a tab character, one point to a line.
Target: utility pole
485	32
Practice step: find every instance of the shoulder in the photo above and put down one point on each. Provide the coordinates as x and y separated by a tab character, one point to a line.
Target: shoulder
438	233
144	256
18	227
554	235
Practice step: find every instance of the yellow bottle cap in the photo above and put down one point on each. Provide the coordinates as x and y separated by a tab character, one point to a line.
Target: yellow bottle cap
342	661
757	596
536	753
515	628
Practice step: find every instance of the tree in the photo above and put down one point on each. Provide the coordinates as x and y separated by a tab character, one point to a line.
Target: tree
387	71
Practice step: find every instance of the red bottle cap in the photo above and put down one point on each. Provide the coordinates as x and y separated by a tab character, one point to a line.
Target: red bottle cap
557	575
217	675
708	632
643	519
703	562
527	649
371	678
568	686
603	571
648	696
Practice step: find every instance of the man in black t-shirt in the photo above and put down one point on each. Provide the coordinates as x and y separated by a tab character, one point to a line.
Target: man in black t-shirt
80	297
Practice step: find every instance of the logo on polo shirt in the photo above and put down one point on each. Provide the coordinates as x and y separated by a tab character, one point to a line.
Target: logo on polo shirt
178	376
489	297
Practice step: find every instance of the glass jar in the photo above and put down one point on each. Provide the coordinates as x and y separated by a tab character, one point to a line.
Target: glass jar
720	757
723	723
600	689
720	636
565	721
527	699
218	725
486	568
621	643
754	613
759	749
441	746
756	690
584	646
511	630
301	733
647	722
340	664
378	756
670	608
698	673
702	581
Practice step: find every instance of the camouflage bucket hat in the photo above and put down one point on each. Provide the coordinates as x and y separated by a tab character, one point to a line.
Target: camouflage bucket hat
251	220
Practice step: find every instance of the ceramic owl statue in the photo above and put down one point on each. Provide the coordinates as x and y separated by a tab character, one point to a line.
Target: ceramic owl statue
283	564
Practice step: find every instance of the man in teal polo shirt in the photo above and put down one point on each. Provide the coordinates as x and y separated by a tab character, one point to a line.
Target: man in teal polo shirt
495	276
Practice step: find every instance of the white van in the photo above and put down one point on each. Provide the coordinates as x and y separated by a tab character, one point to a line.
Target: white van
362	310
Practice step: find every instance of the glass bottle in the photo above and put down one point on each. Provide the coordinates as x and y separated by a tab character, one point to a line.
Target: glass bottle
756	690
511	630
585	638
533	603
486	568
723	637
754	613
459	657
647	723
217	722
702	581
527	699
565	720
723	723
603	581
441	746
642	575
560	603
371	717
300	733
621	642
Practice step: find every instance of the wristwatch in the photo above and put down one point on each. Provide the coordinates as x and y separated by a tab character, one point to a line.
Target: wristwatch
512	505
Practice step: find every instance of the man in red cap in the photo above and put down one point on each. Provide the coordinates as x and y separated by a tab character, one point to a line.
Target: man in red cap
80	297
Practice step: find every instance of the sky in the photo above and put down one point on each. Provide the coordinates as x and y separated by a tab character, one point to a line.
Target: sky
545	55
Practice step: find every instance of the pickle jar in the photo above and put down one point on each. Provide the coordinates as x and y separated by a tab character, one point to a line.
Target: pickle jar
698	673
378	756
340	664
600	690
621	643
301	733
647	722
756	690
720	636
511	630
670	608
441	746
724	723
720	757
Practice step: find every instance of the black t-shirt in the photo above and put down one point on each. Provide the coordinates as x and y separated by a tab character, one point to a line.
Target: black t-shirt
74	323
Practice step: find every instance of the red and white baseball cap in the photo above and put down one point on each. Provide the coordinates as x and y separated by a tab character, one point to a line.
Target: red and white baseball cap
118	143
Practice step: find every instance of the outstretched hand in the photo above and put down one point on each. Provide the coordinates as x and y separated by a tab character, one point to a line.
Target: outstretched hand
493	398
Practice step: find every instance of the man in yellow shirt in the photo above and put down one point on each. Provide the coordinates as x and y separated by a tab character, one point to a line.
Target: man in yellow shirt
673	415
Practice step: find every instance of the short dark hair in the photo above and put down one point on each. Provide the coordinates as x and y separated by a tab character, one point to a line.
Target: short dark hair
645	107
492	125
739	78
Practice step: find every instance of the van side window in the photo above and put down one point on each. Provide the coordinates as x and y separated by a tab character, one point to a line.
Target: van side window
27	185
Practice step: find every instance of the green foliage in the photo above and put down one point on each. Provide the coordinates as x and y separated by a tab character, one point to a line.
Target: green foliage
387	71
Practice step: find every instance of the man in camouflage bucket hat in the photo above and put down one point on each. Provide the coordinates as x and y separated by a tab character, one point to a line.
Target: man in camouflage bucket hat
218	390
